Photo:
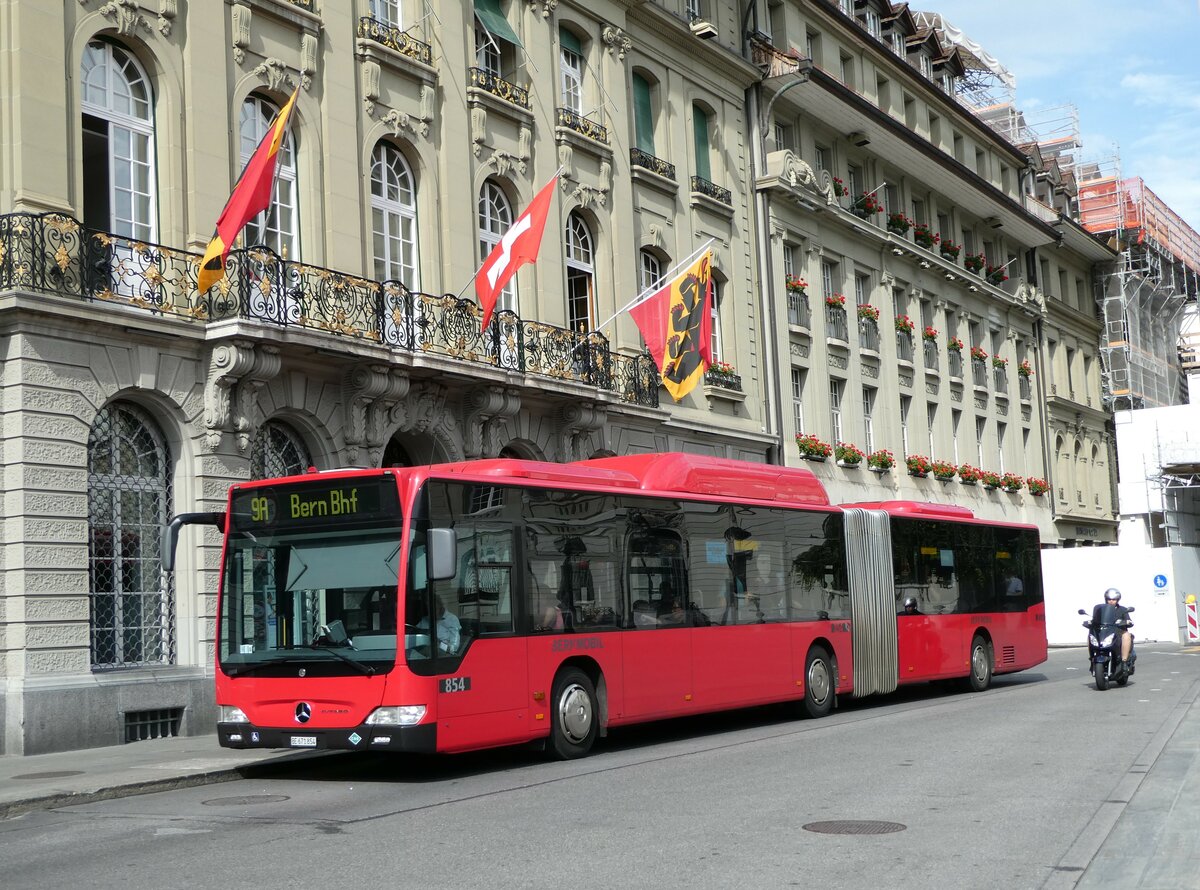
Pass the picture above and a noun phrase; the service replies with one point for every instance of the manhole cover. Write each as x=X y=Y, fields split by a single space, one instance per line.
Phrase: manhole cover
x=854 y=826
x=60 y=774
x=248 y=800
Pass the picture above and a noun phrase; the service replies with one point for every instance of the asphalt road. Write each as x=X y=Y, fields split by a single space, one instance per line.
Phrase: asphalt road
x=1016 y=787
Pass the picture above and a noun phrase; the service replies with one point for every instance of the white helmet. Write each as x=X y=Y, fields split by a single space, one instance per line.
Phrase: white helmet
x=1112 y=594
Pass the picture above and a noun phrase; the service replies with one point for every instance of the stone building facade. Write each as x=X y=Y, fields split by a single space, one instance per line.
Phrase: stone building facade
x=340 y=336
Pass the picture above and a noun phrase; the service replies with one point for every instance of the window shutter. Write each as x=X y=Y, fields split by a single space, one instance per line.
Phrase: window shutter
x=700 y=123
x=643 y=114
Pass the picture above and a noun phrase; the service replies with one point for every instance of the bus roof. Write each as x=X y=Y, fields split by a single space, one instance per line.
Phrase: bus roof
x=915 y=508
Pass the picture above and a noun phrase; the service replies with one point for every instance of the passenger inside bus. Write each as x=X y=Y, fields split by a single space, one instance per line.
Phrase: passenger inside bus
x=643 y=614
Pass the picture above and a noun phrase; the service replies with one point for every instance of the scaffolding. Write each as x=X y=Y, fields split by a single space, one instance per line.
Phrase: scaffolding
x=1142 y=298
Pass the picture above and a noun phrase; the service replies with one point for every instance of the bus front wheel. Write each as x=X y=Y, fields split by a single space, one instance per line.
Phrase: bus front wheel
x=819 y=683
x=980 y=677
x=574 y=720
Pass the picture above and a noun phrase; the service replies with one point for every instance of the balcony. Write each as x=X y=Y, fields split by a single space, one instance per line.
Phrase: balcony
x=904 y=346
x=836 y=327
x=647 y=161
x=799 y=313
x=979 y=373
x=577 y=123
x=724 y=381
x=956 y=364
x=1025 y=388
x=930 y=350
x=868 y=335
x=702 y=186
x=1000 y=380
x=54 y=254
x=394 y=39
x=499 y=87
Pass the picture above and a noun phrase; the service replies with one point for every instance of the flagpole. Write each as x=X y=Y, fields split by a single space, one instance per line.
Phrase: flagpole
x=484 y=260
x=649 y=291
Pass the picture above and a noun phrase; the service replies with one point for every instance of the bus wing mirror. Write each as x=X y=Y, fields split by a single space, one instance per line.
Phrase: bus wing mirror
x=441 y=554
x=170 y=538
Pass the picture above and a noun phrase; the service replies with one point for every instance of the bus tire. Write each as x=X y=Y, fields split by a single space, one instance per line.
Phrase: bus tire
x=980 y=677
x=820 y=686
x=574 y=716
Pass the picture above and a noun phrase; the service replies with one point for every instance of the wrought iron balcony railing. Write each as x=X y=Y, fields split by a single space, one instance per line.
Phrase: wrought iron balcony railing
x=639 y=158
x=931 y=354
x=799 y=312
x=1026 y=388
x=54 y=254
x=498 y=86
x=956 y=363
x=1000 y=379
x=393 y=38
x=725 y=381
x=306 y=5
x=868 y=334
x=979 y=373
x=712 y=190
x=835 y=323
x=904 y=346
x=586 y=126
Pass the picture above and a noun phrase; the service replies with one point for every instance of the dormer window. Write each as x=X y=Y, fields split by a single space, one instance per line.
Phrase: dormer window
x=926 y=65
x=898 y=43
x=948 y=84
x=873 y=25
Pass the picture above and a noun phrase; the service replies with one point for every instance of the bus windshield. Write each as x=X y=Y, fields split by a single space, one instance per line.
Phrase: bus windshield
x=304 y=589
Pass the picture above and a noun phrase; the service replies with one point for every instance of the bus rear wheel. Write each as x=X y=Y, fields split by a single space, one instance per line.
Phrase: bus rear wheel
x=980 y=677
x=574 y=718
x=819 y=683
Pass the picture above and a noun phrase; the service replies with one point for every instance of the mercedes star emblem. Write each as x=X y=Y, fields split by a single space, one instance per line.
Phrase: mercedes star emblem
x=303 y=712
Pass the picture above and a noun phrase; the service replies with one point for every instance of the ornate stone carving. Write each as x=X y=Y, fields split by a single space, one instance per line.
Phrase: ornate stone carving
x=589 y=196
x=524 y=140
x=125 y=16
x=548 y=6
x=654 y=235
x=838 y=361
x=308 y=59
x=369 y=74
x=167 y=10
x=505 y=162
x=369 y=394
x=240 y=17
x=616 y=41
x=566 y=160
x=485 y=410
x=237 y=369
x=575 y=422
x=275 y=73
x=419 y=125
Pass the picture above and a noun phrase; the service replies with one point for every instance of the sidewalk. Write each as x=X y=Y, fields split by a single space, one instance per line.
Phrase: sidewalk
x=41 y=781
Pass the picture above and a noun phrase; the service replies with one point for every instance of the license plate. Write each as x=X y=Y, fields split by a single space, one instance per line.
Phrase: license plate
x=304 y=741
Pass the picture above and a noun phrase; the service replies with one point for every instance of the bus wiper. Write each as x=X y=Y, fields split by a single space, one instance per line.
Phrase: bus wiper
x=357 y=665
x=258 y=665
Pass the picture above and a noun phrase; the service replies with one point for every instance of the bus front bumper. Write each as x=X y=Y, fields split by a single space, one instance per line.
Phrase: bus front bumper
x=420 y=739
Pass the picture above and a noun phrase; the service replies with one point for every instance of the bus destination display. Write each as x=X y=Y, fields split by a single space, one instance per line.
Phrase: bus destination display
x=327 y=503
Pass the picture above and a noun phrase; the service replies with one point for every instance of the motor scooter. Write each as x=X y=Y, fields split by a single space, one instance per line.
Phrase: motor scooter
x=1104 y=646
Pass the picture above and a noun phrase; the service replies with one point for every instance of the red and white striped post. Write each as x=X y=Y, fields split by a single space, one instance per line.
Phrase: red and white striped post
x=1193 y=626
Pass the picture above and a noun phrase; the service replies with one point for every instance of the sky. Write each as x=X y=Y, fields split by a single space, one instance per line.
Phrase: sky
x=1132 y=69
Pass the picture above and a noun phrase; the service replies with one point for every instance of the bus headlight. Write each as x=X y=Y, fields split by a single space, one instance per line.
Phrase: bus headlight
x=230 y=714
x=397 y=715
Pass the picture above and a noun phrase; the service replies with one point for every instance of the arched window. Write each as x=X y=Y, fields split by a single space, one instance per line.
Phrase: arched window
x=650 y=270
x=118 y=143
x=701 y=141
x=277 y=226
x=129 y=503
x=643 y=113
x=277 y=451
x=394 y=217
x=570 y=71
x=495 y=216
x=581 y=276
x=718 y=287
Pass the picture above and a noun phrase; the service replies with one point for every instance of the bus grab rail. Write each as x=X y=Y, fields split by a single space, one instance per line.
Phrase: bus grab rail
x=170 y=536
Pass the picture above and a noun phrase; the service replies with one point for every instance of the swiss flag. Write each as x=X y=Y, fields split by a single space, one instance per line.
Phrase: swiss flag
x=518 y=246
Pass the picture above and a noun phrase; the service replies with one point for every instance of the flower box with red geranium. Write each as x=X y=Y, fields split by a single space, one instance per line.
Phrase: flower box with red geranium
x=881 y=461
x=722 y=370
x=979 y=354
x=848 y=455
x=836 y=300
x=974 y=262
x=812 y=448
x=898 y=223
x=866 y=205
x=839 y=187
x=918 y=465
x=943 y=470
x=989 y=479
x=930 y=334
x=996 y=275
x=949 y=249
x=925 y=236
x=1012 y=483
x=954 y=344
x=1025 y=369
x=904 y=324
x=998 y=362
x=796 y=285
x=969 y=475
x=867 y=312
x=1037 y=487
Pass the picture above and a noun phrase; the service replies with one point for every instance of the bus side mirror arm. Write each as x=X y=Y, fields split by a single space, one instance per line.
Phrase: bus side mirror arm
x=170 y=536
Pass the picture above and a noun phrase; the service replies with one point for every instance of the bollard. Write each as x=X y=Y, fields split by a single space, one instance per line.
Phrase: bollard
x=1193 y=627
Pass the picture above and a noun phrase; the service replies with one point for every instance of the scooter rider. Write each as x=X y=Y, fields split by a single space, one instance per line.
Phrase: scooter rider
x=1112 y=597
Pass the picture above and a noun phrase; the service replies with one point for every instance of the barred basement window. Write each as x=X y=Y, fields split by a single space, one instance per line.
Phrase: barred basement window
x=158 y=724
x=129 y=502
x=277 y=451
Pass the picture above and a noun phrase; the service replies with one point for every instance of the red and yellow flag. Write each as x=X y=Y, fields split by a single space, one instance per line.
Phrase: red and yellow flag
x=676 y=323
x=251 y=196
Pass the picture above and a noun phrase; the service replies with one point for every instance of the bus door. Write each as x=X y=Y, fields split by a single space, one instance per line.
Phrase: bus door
x=479 y=661
x=657 y=652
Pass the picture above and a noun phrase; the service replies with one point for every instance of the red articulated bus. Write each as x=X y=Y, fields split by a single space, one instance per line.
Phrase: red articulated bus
x=495 y=602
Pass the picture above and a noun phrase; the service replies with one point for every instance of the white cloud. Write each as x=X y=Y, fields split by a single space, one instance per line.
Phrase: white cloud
x=1169 y=90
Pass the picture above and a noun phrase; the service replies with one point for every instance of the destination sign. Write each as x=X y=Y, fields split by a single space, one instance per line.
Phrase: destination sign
x=324 y=502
